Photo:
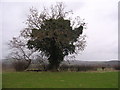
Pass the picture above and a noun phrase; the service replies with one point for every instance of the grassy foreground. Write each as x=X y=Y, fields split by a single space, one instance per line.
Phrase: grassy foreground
x=60 y=80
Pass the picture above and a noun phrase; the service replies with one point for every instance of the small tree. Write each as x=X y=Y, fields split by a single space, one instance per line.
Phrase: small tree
x=54 y=34
x=20 y=55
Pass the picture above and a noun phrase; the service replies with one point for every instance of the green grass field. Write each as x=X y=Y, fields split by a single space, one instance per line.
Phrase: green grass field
x=60 y=80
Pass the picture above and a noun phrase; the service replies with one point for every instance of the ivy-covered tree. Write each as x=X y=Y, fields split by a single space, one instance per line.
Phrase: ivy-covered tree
x=54 y=34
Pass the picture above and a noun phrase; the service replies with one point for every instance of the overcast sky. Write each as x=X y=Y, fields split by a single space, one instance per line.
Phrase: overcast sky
x=101 y=17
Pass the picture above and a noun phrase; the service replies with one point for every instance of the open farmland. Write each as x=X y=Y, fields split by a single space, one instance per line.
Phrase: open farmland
x=60 y=80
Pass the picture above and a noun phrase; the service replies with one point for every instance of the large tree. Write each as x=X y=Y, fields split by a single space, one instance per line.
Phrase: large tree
x=54 y=33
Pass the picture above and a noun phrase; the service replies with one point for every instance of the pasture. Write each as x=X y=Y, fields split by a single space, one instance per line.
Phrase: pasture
x=60 y=80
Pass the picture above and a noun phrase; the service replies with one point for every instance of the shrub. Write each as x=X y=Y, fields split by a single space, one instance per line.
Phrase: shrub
x=19 y=65
x=77 y=67
x=86 y=68
x=117 y=67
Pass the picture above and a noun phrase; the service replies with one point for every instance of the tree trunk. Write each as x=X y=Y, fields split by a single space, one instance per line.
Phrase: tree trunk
x=56 y=56
x=53 y=67
x=29 y=62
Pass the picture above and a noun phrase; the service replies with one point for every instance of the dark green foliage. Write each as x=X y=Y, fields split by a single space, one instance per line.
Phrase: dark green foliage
x=55 y=37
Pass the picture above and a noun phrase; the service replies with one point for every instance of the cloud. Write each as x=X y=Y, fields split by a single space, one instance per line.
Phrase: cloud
x=101 y=16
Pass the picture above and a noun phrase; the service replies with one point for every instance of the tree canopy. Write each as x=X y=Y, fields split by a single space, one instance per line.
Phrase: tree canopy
x=54 y=33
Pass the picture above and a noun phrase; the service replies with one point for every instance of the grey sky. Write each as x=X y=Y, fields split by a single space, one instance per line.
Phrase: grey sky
x=101 y=16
